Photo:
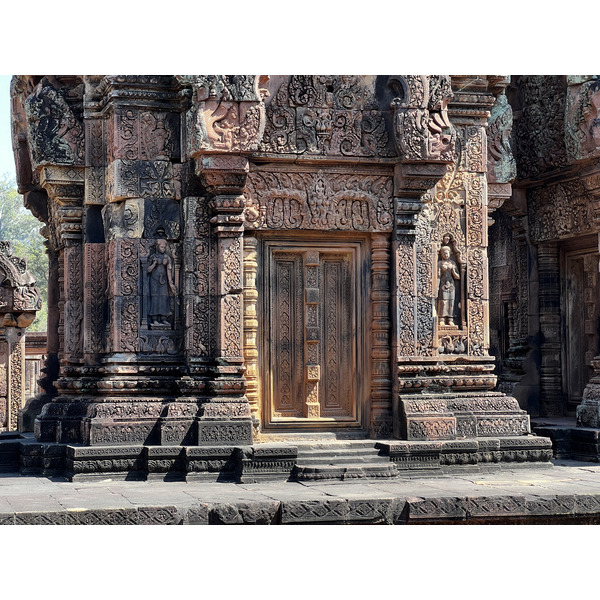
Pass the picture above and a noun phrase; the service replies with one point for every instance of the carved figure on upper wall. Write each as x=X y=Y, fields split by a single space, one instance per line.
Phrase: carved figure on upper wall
x=160 y=270
x=448 y=274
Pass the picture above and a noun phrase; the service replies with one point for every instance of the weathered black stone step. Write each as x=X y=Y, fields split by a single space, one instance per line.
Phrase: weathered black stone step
x=348 y=471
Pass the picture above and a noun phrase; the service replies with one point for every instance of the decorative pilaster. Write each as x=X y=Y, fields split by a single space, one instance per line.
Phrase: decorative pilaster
x=251 y=327
x=226 y=417
x=65 y=188
x=381 y=378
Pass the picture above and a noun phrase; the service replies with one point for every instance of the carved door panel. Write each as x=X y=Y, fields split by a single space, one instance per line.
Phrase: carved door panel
x=313 y=335
x=581 y=316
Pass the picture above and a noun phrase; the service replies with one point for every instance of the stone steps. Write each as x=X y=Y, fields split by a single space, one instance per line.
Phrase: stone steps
x=342 y=460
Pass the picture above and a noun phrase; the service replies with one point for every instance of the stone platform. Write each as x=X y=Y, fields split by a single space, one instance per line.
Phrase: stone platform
x=283 y=461
x=566 y=493
x=568 y=440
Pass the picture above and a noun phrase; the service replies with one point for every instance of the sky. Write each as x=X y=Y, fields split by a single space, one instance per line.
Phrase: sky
x=7 y=161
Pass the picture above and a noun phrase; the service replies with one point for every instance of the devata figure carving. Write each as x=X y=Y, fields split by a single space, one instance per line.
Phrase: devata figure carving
x=160 y=270
x=447 y=274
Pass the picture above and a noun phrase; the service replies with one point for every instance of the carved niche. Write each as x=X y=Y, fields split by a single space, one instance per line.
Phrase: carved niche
x=451 y=264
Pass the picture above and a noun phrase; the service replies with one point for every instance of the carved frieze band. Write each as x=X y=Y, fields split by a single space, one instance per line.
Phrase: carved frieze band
x=318 y=201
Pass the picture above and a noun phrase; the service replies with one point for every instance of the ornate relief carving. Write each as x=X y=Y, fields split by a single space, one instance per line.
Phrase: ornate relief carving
x=540 y=131
x=232 y=325
x=95 y=156
x=16 y=382
x=143 y=135
x=94 y=295
x=161 y=276
x=559 y=211
x=326 y=115
x=405 y=286
x=322 y=201
x=502 y=167
x=55 y=133
x=251 y=324
x=582 y=132
x=200 y=285
x=422 y=129
x=73 y=301
x=381 y=377
x=141 y=179
x=227 y=114
x=162 y=218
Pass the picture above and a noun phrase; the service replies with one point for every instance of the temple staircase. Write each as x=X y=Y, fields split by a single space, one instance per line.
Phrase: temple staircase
x=352 y=459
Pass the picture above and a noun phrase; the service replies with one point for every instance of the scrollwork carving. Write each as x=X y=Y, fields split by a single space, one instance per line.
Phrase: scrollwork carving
x=320 y=201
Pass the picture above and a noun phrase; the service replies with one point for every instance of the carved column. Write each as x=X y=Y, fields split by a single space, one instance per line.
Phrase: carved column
x=381 y=380
x=226 y=416
x=549 y=294
x=251 y=327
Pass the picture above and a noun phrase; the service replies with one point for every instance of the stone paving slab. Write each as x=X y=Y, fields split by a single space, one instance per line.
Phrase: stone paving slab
x=567 y=493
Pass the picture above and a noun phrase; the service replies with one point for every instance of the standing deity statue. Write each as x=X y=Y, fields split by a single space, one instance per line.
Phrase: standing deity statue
x=447 y=275
x=160 y=270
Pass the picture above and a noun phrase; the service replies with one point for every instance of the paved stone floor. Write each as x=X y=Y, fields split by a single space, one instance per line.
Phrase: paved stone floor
x=567 y=493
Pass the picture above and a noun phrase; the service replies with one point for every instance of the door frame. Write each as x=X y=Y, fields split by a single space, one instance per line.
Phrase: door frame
x=322 y=241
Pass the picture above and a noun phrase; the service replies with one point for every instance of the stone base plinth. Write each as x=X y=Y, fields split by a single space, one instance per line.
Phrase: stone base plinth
x=448 y=416
x=449 y=455
x=569 y=441
x=145 y=422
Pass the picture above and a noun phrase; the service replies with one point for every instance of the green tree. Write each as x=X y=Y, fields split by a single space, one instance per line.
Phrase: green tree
x=21 y=228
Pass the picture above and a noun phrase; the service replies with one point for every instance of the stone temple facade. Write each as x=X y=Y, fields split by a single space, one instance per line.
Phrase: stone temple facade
x=544 y=292
x=245 y=267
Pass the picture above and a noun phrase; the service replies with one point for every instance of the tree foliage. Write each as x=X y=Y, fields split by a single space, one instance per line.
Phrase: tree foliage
x=21 y=228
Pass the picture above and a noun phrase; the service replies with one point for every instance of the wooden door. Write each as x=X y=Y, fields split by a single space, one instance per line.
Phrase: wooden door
x=581 y=316
x=313 y=335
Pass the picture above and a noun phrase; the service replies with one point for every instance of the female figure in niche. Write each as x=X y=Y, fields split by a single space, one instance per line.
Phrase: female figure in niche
x=160 y=269
x=447 y=275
